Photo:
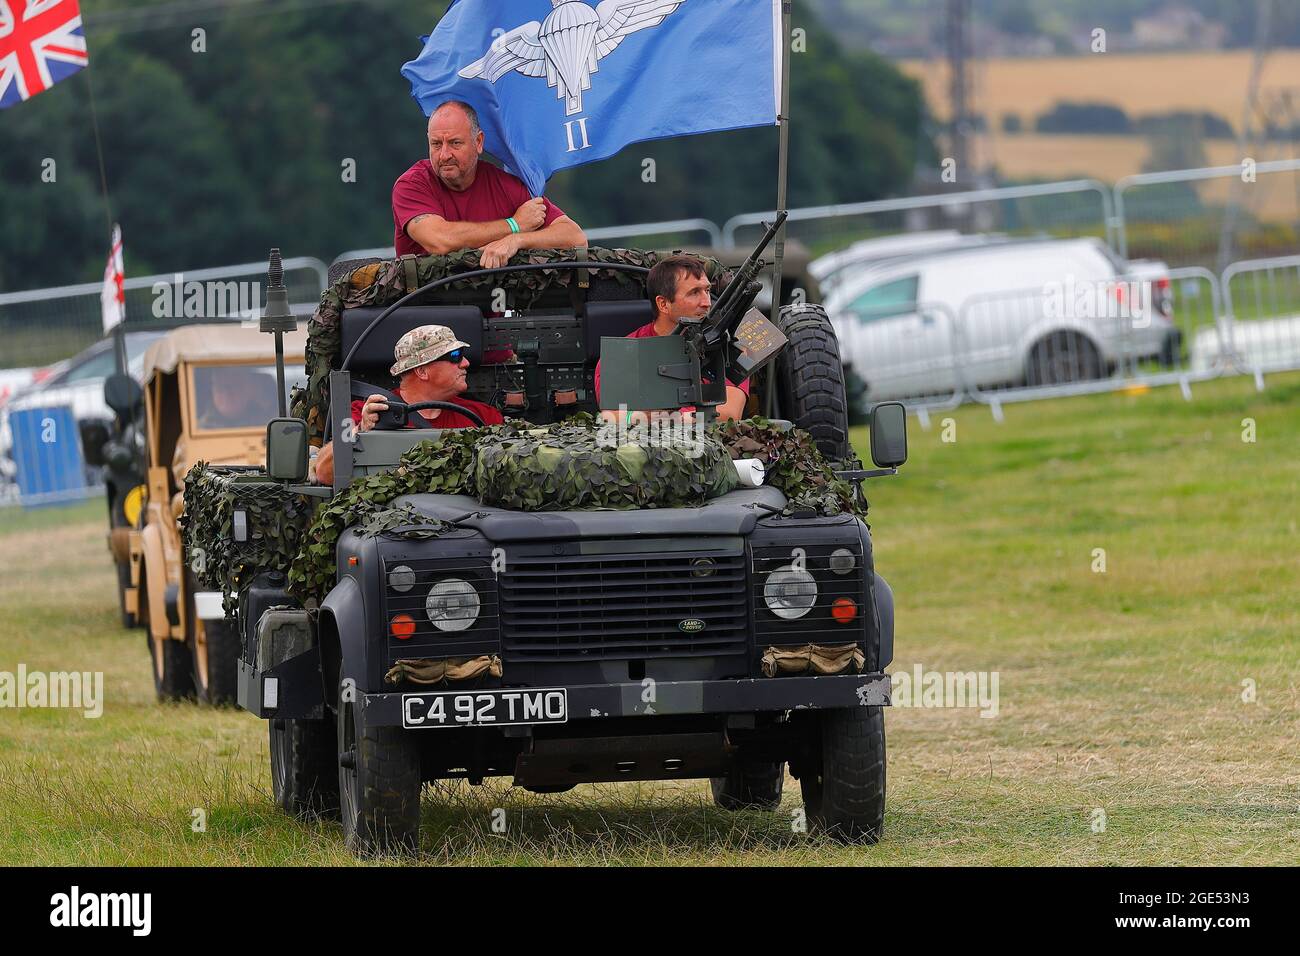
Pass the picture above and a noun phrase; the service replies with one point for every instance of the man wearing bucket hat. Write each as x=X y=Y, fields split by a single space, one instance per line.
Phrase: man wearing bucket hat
x=430 y=365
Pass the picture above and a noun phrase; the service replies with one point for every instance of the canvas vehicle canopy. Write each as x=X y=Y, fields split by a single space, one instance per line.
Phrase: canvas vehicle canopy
x=218 y=342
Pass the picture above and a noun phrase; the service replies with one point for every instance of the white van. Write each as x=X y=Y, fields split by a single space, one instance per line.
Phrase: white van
x=1037 y=312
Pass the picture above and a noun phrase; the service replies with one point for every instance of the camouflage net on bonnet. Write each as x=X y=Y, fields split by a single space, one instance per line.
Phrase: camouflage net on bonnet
x=383 y=283
x=520 y=466
x=577 y=465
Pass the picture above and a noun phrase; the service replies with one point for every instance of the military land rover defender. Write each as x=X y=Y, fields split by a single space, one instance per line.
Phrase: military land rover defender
x=451 y=637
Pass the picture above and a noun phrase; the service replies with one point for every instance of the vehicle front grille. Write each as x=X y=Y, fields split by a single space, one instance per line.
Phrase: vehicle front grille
x=621 y=606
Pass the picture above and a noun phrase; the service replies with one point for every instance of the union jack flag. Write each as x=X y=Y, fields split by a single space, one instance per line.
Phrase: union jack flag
x=41 y=42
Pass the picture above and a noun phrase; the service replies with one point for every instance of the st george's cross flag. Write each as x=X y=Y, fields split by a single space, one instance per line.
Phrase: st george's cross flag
x=41 y=43
x=112 y=299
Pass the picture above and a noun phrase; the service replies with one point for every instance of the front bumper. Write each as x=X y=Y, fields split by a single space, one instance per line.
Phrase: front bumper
x=599 y=701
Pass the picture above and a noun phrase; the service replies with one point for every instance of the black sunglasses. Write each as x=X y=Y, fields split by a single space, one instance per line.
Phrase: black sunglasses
x=453 y=356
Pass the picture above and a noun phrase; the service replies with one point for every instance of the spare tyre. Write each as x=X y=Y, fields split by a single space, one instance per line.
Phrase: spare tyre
x=810 y=379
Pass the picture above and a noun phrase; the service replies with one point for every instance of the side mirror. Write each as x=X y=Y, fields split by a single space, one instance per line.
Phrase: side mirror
x=286 y=449
x=122 y=394
x=95 y=434
x=889 y=434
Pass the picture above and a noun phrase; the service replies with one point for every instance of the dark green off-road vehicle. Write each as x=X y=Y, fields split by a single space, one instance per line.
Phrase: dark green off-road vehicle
x=726 y=640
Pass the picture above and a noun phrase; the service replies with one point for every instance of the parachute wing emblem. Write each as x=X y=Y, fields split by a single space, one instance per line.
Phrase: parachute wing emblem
x=567 y=46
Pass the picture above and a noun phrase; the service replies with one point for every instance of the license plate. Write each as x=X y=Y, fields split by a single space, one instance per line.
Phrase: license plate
x=485 y=708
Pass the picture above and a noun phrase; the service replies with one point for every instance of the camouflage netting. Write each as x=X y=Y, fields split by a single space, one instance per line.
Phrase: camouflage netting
x=519 y=466
x=383 y=283
x=575 y=465
x=277 y=521
x=794 y=466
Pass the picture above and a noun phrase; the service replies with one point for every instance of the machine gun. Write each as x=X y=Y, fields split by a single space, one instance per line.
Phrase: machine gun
x=693 y=366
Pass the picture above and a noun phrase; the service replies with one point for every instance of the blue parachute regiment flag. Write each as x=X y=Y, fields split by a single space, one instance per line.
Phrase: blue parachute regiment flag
x=559 y=83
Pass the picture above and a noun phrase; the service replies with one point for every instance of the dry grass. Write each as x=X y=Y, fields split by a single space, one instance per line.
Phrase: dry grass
x=1139 y=83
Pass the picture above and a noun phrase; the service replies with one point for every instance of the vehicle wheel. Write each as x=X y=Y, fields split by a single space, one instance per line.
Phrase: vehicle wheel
x=171 y=668
x=129 y=620
x=214 y=655
x=172 y=679
x=304 y=767
x=379 y=785
x=751 y=785
x=1063 y=357
x=810 y=379
x=844 y=784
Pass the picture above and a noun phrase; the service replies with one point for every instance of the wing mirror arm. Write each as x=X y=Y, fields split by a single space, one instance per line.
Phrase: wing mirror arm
x=858 y=475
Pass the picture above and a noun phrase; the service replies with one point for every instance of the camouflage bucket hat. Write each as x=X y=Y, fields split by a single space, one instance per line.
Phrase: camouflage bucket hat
x=421 y=346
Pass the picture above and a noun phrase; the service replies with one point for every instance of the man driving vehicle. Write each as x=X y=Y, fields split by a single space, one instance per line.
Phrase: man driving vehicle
x=679 y=287
x=451 y=201
x=430 y=364
x=234 y=396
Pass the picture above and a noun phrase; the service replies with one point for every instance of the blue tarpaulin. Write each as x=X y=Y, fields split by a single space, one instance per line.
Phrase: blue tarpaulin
x=47 y=454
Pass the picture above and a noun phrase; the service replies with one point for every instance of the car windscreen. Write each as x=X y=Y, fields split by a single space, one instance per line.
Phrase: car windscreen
x=100 y=361
x=897 y=297
x=238 y=396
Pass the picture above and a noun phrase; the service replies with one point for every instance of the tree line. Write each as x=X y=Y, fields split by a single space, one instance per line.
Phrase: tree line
x=223 y=135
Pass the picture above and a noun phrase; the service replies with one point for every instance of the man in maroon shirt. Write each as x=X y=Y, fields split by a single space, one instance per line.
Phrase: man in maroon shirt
x=431 y=364
x=451 y=201
x=679 y=287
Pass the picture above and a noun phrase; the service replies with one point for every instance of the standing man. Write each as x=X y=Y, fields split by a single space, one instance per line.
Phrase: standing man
x=679 y=288
x=451 y=201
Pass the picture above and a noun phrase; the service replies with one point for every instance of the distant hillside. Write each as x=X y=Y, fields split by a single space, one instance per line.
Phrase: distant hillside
x=1039 y=27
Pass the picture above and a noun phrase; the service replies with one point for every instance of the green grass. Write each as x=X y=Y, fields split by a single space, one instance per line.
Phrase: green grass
x=1120 y=691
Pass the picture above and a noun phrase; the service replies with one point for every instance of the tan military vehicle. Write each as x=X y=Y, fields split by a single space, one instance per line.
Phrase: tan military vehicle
x=209 y=391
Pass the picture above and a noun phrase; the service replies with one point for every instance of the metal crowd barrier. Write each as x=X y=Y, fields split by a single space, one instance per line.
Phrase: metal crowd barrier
x=1080 y=207
x=41 y=326
x=1262 y=299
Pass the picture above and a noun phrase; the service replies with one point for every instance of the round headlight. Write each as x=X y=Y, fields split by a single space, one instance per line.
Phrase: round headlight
x=790 y=594
x=843 y=561
x=452 y=605
x=401 y=579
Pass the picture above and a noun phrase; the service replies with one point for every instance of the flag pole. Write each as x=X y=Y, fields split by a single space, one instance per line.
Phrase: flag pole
x=782 y=174
x=119 y=333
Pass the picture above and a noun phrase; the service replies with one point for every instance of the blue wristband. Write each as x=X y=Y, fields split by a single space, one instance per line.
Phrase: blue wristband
x=514 y=226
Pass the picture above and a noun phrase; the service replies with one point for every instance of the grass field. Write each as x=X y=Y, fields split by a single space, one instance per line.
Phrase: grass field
x=1120 y=692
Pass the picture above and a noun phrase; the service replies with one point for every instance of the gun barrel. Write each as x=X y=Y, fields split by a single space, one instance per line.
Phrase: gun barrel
x=720 y=314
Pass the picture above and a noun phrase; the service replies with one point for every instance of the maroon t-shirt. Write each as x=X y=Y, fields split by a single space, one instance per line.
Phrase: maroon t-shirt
x=495 y=195
x=647 y=332
x=448 y=419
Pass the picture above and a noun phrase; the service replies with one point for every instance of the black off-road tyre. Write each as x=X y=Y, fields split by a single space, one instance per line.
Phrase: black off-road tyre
x=214 y=660
x=844 y=784
x=304 y=767
x=169 y=660
x=751 y=785
x=129 y=620
x=1061 y=358
x=379 y=786
x=175 y=682
x=809 y=379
